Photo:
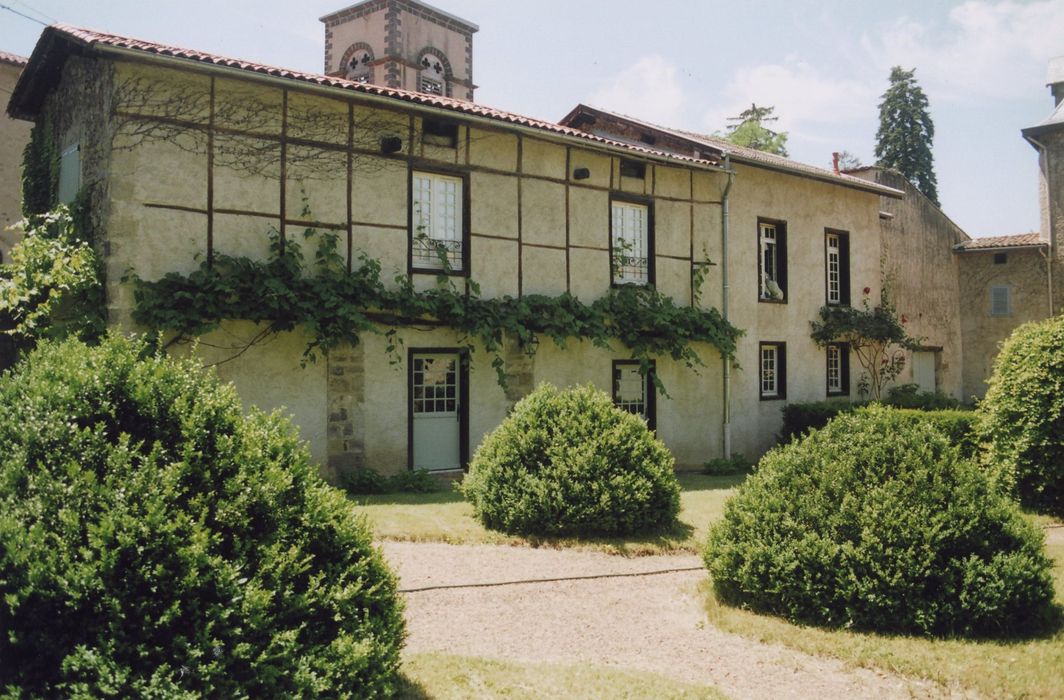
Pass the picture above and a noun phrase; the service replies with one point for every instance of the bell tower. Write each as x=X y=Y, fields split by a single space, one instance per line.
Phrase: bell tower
x=404 y=44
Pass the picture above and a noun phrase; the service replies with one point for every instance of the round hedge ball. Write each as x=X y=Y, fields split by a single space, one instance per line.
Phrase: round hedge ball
x=571 y=463
x=876 y=523
x=155 y=542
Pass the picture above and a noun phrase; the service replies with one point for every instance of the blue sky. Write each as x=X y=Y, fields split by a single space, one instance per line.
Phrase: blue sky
x=693 y=63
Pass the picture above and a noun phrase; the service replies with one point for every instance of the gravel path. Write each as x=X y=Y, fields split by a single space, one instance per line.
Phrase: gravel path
x=653 y=623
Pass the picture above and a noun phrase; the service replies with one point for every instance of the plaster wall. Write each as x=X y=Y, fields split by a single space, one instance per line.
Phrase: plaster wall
x=14 y=135
x=533 y=228
x=1024 y=273
x=807 y=207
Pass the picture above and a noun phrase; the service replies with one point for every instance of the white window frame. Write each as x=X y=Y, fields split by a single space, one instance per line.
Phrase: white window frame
x=437 y=222
x=769 y=252
x=630 y=245
x=834 y=369
x=834 y=269
x=770 y=366
x=996 y=302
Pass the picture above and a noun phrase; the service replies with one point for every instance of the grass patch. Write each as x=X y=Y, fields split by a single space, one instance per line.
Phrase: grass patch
x=444 y=517
x=443 y=676
x=999 y=669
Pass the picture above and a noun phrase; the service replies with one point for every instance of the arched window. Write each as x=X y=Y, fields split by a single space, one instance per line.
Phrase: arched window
x=432 y=78
x=360 y=66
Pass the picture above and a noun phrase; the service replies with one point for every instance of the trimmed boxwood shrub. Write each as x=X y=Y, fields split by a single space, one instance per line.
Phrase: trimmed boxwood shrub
x=910 y=396
x=800 y=418
x=571 y=463
x=876 y=523
x=155 y=542
x=957 y=425
x=1022 y=415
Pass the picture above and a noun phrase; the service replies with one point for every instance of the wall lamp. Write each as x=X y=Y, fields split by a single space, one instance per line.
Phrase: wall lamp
x=581 y=174
x=391 y=144
x=531 y=345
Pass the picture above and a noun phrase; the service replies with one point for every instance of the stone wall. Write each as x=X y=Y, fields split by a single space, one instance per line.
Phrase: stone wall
x=919 y=265
x=1023 y=272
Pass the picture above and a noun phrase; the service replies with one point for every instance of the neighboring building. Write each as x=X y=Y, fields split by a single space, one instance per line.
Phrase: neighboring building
x=1048 y=139
x=1003 y=284
x=520 y=206
x=14 y=134
x=921 y=271
x=404 y=44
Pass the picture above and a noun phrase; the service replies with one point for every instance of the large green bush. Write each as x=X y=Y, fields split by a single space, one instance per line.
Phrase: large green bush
x=800 y=418
x=155 y=542
x=875 y=522
x=571 y=463
x=957 y=425
x=1022 y=415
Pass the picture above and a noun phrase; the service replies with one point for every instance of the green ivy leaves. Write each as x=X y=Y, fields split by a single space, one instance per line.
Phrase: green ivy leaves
x=336 y=307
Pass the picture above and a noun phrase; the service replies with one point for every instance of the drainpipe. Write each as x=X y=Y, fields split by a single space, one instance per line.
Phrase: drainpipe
x=726 y=362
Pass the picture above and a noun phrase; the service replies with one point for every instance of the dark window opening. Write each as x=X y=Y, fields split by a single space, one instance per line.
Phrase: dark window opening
x=437 y=132
x=1001 y=258
x=633 y=168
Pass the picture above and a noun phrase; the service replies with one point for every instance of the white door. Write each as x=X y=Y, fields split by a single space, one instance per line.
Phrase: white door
x=436 y=410
x=924 y=370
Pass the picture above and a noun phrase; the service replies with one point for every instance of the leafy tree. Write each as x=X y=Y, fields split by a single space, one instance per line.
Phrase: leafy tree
x=52 y=288
x=750 y=131
x=876 y=336
x=906 y=132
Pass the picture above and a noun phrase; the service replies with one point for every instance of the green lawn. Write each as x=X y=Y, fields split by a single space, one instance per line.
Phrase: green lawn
x=443 y=676
x=444 y=517
x=1011 y=669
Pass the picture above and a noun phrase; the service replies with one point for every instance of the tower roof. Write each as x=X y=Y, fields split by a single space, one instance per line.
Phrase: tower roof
x=367 y=6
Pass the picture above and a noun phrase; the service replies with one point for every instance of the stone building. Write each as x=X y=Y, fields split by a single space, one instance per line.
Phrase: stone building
x=1003 y=283
x=923 y=274
x=404 y=44
x=518 y=205
x=13 y=137
x=387 y=152
x=1009 y=280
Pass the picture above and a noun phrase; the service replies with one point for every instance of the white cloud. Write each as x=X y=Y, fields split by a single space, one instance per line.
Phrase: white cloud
x=986 y=49
x=648 y=90
x=802 y=95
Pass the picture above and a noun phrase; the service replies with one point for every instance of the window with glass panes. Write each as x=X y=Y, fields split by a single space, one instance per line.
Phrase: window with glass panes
x=435 y=385
x=834 y=269
x=437 y=236
x=773 y=370
x=630 y=244
x=633 y=391
x=772 y=260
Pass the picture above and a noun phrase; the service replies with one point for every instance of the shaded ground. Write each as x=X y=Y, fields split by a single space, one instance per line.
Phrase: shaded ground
x=653 y=623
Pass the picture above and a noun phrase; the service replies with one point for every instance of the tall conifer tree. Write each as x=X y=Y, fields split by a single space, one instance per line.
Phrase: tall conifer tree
x=749 y=130
x=906 y=132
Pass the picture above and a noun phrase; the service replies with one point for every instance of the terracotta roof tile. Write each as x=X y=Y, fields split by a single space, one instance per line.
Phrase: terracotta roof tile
x=12 y=58
x=96 y=38
x=749 y=155
x=988 y=242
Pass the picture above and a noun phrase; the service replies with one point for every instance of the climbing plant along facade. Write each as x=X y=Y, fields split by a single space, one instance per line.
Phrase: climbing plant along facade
x=360 y=255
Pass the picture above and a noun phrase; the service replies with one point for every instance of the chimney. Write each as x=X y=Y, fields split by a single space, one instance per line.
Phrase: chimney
x=1055 y=79
x=835 y=162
